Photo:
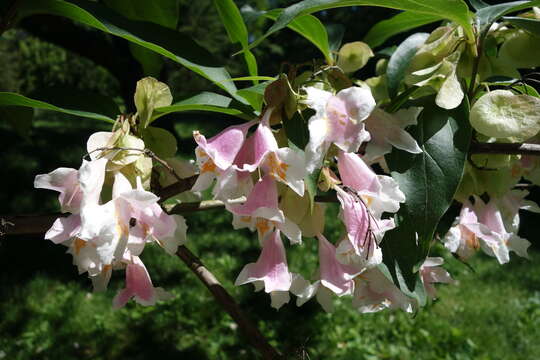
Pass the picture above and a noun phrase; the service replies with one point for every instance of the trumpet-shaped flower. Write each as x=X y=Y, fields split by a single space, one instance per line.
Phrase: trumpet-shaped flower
x=375 y=292
x=364 y=231
x=261 y=211
x=380 y=193
x=387 y=130
x=261 y=150
x=139 y=287
x=270 y=270
x=481 y=226
x=334 y=278
x=217 y=154
x=66 y=182
x=432 y=272
x=339 y=120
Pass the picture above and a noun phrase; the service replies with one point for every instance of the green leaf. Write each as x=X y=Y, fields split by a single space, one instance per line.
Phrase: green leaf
x=311 y=186
x=309 y=27
x=429 y=181
x=530 y=25
x=237 y=31
x=160 y=141
x=297 y=127
x=478 y=4
x=255 y=94
x=19 y=118
x=398 y=24
x=455 y=10
x=205 y=101
x=400 y=60
x=161 y=12
x=12 y=99
x=71 y=98
x=489 y=14
x=250 y=78
x=167 y=42
x=335 y=36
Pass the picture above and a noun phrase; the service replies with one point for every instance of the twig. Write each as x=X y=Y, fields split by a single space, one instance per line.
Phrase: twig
x=500 y=148
x=250 y=331
x=8 y=18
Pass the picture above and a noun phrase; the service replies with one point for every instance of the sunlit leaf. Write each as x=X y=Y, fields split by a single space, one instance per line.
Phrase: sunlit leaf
x=172 y=44
x=398 y=24
x=12 y=99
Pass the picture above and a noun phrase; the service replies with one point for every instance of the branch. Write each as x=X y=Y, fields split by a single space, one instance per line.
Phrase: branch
x=9 y=16
x=250 y=331
x=502 y=148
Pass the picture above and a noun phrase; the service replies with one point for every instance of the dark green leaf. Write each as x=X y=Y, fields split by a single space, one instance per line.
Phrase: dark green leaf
x=489 y=14
x=311 y=187
x=254 y=95
x=530 y=25
x=478 y=4
x=236 y=29
x=19 y=118
x=71 y=98
x=429 y=181
x=161 y=12
x=309 y=27
x=400 y=23
x=455 y=10
x=160 y=141
x=400 y=60
x=335 y=36
x=12 y=99
x=205 y=101
x=297 y=127
x=162 y=40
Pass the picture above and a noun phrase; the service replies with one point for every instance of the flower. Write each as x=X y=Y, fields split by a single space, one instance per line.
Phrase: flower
x=375 y=292
x=431 y=272
x=333 y=277
x=338 y=120
x=387 y=130
x=482 y=226
x=270 y=271
x=261 y=211
x=139 y=286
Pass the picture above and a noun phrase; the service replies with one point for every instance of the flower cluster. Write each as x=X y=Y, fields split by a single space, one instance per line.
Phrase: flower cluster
x=250 y=168
x=112 y=217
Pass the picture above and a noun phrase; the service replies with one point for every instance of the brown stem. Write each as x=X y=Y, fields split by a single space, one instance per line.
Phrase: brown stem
x=7 y=19
x=501 y=148
x=250 y=331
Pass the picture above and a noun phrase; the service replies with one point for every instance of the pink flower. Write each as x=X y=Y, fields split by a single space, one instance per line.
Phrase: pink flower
x=270 y=270
x=261 y=211
x=387 y=130
x=66 y=182
x=139 y=287
x=380 y=193
x=375 y=292
x=432 y=272
x=334 y=278
x=338 y=120
x=482 y=226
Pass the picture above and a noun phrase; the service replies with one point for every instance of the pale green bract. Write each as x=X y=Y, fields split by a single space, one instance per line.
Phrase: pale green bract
x=502 y=114
x=354 y=56
x=149 y=95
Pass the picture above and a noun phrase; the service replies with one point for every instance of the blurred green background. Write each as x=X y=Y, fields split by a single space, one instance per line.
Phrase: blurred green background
x=47 y=311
